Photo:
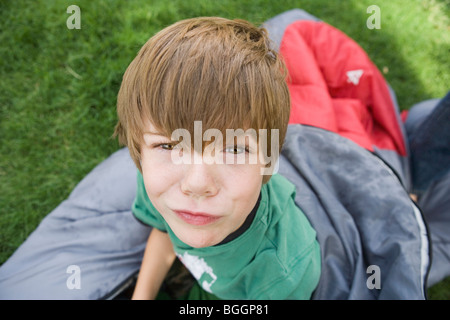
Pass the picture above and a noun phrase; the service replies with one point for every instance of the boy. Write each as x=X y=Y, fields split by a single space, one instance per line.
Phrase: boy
x=215 y=202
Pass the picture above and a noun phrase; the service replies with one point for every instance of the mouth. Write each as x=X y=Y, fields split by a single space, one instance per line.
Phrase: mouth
x=196 y=218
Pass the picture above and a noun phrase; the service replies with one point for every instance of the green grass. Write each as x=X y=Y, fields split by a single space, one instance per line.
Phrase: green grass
x=58 y=86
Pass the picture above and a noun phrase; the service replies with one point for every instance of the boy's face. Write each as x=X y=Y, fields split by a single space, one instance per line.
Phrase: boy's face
x=202 y=202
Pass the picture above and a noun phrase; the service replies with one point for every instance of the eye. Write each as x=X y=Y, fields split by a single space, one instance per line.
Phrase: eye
x=236 y=149
x=165 y=146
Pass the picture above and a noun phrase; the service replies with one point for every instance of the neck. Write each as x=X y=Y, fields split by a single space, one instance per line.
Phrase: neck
x=247 y=223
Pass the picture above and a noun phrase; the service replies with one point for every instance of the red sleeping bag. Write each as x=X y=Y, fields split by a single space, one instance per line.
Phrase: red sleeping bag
x=335 y=86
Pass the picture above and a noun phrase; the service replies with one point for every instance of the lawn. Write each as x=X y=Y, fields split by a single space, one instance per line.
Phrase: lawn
x=58 y=86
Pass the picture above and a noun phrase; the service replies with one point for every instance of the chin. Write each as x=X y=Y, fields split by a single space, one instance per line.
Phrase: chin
x=199 y=241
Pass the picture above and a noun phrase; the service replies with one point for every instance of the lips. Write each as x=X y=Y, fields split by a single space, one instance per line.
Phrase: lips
x=196 y=218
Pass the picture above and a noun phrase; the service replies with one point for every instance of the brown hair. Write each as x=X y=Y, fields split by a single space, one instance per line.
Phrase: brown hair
x=218 y=71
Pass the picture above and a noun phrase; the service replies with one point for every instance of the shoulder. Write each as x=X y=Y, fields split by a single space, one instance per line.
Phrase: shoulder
x=290 y=252
x=277 y=194
x=280 y=186
x=293 y=278
x=285 y=219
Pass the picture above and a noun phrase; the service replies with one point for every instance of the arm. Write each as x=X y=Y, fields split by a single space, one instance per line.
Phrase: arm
x=158 y=258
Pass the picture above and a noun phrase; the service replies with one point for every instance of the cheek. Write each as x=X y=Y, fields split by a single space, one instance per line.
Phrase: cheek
x=159 y=176
x=244 y=182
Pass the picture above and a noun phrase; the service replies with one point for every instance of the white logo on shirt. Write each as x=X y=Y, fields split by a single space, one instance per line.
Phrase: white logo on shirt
x=354 y=76
x=198 y=267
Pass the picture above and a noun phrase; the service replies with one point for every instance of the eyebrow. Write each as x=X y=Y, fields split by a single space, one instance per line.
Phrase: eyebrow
x=154 y=133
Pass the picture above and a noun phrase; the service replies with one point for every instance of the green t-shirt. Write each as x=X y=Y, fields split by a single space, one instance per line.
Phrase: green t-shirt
x=277 y=257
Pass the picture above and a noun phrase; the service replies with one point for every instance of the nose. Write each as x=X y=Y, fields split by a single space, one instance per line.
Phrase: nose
x=199 y=180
